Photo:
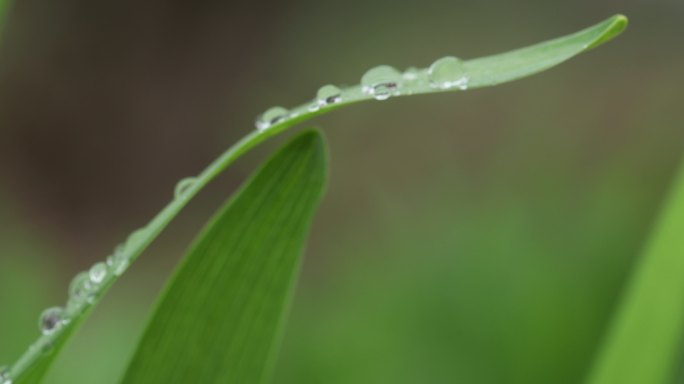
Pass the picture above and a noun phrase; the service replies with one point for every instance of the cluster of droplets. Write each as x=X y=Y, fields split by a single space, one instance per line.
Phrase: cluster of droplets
x=85 y=286
x=326 y=95
x=5 y=376
x=381 y=83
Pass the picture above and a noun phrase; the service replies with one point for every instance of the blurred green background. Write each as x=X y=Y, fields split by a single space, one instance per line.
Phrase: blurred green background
x=477 y=237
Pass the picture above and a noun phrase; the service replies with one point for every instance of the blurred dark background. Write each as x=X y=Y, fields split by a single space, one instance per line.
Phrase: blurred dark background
x=477 y=237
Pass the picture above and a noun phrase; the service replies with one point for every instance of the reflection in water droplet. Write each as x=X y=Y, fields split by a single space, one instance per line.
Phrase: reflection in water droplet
x=98 y=272
x=51 y=319
x=448 y=72
x=382 y=82
x=272 y=116
x=328 y=94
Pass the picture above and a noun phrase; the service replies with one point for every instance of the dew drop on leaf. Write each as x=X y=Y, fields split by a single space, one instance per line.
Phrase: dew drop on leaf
x=381 y=82
x=183 y=186
x=97 y=273
x=270 y=117
x=328 y=94
x=448 y=72
x=79 y=286
x=51 y=319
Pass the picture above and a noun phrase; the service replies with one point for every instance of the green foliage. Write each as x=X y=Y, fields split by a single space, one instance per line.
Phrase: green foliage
x=482 y=72
x=219 y=319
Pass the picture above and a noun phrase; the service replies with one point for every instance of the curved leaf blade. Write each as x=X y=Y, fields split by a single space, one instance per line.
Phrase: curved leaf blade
x=219 y=319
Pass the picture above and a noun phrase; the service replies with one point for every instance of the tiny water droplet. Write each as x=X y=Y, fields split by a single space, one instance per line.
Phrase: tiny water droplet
x=381 y=82
x=98 y=272
x=448 y=72
x=51 y=319
x=272 y=116
x=328 y=94
x=183 y=186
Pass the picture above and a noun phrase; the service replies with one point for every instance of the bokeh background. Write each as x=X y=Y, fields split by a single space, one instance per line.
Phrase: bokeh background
x=476 y=237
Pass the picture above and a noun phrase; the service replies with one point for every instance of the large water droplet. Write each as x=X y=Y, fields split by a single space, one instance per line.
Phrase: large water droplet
x=448 y=72
x=183 y=186
x=381 y=82
x=328 y=94
x=5 y=375
x=97 y=273
x=270 y=117
x=51 y=319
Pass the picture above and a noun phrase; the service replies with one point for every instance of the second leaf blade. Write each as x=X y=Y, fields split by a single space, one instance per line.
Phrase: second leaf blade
x=220 y=316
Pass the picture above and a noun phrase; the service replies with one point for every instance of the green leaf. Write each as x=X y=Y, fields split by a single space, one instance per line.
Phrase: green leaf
x=220 y=317
x=482 y=72
x=644 y=341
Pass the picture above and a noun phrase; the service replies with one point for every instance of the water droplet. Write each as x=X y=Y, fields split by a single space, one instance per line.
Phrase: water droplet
x=5 y=375
x=381 y=82
x=118 y=263
x=183 y=186
x=272 y=116
x=328 y=94
x=79 y=291
x=448 y=72
x=51 y=319
x=79 y=286
x=98 y=272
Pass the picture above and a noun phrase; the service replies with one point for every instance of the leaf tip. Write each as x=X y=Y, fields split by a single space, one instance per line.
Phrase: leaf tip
x=614 y=26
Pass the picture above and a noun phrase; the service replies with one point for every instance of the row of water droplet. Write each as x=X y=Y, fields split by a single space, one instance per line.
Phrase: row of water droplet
x=84 y=287
x=83 y=290
x=381 y=83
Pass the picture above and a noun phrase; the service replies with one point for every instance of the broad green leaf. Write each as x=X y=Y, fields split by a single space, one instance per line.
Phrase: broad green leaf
x=220 y=317
x=475 y=73
x=645 y=338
